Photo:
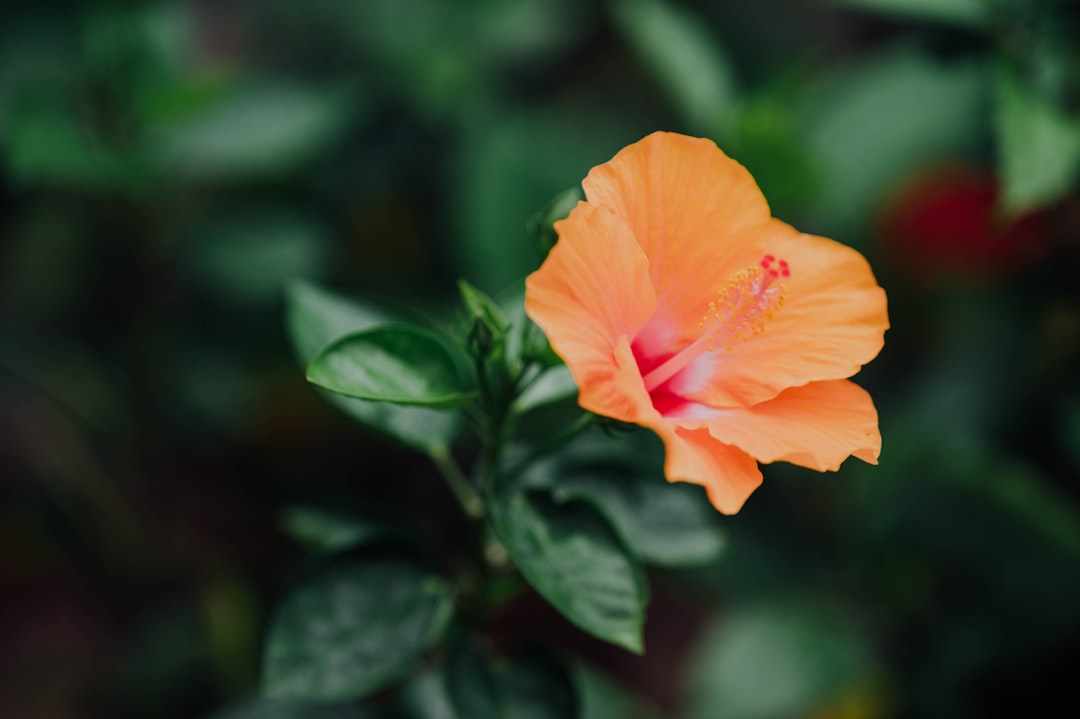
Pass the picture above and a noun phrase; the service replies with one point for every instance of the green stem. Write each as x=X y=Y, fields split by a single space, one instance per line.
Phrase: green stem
x=553 y=443
x=488 y=400
x=495 y=395
x=471 y=501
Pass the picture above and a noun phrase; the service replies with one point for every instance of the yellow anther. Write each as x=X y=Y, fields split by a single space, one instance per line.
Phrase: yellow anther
x=740 y=312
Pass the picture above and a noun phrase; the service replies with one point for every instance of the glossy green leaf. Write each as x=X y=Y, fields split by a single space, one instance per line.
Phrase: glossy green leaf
x=575 y=561
x=353 y=628
x=315 y=317
x=670 y=525
x=530 y=684
x=688 y=61
x=1038 y=143
x=968 y=13
x=402 y=364
x=663 y=523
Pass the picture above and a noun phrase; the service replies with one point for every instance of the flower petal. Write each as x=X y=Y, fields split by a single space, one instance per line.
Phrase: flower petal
x=818 y=426
x=592 y=290
x=620 y=394
x=728 y=474
x=833 y=321
x=696 y=213
x=692 y=454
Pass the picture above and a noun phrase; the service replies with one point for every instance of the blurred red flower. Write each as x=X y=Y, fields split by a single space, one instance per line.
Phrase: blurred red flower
x=946 y=221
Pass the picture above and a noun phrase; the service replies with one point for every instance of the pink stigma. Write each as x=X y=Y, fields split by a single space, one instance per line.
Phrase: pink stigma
x=781 y=268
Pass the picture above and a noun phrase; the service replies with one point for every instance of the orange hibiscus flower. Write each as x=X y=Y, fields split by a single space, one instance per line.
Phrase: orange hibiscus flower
x=681 y=305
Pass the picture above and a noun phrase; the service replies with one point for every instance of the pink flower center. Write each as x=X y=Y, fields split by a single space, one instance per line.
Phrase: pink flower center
x=739 y=312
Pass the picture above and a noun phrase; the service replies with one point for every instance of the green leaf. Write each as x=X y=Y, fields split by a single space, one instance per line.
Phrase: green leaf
x=1010 y=503
x=402 y=364
x=767 y=139
x=471 y=684
x=874 y=124
x=424 y=696
x=527 y=32
x=535 y=685
x=575 y=561
x=246 y=257
x=47 y=142
x=555 y=384
x=251 y=131
x=329 y=530
x=776 y=662
x=670 y=525
x=479 y=305
x=663 y=523
x=531 y=684
x=279 y=709
x=486 y=326
x=315 y=317
x=967 y=13
x=602 y=698
x=525 y=342
x=353 y=628
x=1039 y=146
x=541 y=225
x=689 y=62
x=510 y=165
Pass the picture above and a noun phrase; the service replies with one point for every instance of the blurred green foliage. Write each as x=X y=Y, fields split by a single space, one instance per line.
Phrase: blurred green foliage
x=176 y=174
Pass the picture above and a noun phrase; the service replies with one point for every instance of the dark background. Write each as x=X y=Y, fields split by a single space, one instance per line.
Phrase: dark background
x=168 y=166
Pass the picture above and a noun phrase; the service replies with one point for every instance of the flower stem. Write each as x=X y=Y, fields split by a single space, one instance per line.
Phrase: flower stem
x=553 y=443
x=467 y=496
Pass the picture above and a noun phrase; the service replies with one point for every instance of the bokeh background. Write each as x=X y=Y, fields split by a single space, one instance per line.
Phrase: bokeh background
x=168 y=166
